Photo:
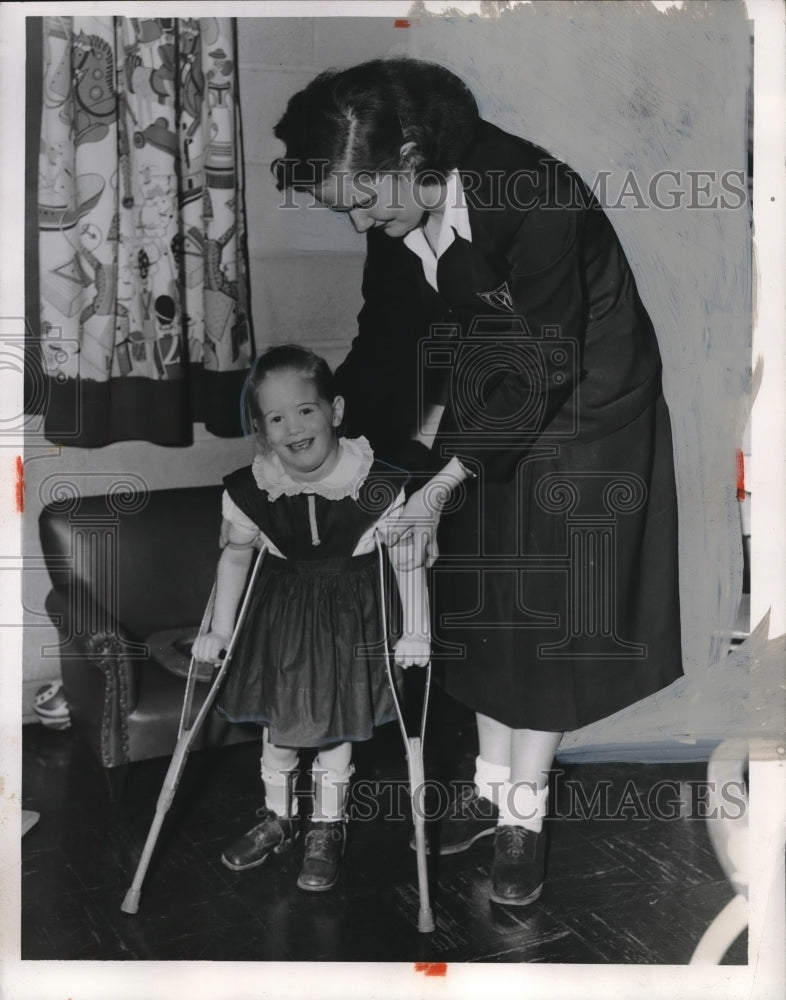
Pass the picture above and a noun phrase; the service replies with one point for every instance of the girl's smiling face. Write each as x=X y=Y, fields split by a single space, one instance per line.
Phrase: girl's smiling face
x=298 y=425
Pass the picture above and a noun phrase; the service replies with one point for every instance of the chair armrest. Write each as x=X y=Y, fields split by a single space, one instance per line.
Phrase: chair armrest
x=101 y=706
x=109 y=653
x=114 y=655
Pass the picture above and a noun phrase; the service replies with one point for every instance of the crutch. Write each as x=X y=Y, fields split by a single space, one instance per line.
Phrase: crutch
x=186 y=734
x=413 y=746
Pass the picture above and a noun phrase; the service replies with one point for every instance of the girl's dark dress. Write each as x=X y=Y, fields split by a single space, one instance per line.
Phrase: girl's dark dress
x=556 y=593
x=309 y=660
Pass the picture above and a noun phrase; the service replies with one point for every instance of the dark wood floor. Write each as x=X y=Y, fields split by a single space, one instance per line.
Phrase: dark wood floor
x=629 y=888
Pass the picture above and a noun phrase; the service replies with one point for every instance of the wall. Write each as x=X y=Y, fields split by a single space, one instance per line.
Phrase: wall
x=306 y=265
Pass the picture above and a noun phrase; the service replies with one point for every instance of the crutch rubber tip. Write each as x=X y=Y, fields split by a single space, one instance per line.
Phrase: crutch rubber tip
x=131 y=901
x=426 y=922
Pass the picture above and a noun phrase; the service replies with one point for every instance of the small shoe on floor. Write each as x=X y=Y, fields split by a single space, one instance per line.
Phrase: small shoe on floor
x=29 y=820
x=470 y=817
x=274 y=835
x=519 y=866
x=325 y=843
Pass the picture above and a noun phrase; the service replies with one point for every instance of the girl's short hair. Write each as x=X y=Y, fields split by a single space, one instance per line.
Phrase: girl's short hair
x=359 y=118
x=282 y=357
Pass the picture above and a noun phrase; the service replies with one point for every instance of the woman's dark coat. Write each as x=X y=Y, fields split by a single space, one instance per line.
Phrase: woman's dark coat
x=556 y=594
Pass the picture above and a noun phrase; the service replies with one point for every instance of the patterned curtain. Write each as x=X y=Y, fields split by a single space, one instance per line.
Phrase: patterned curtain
x=144 y=323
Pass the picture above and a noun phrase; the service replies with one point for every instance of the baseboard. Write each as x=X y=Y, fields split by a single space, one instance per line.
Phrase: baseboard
x=658 y=751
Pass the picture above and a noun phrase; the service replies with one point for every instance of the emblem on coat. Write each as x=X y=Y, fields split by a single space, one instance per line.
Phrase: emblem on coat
x=500 y=298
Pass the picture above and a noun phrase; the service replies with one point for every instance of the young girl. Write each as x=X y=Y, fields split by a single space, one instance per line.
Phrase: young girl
x=308 y=663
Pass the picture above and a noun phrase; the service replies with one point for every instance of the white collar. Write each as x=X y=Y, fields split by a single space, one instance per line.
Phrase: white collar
x=344 y=480
x=442 y=229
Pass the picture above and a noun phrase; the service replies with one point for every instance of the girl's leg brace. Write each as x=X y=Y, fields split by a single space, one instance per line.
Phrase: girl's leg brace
x=332 y=770
x=279 y=771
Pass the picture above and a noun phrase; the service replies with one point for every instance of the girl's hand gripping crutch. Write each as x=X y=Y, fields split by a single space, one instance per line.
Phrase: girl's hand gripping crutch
x=414 y=752
x=186 y=735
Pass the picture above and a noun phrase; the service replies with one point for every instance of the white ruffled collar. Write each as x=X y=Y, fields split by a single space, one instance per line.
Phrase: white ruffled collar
x=345 y=479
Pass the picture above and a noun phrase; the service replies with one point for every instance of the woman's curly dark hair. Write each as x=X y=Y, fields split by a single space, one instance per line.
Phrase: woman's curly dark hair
x=358 y=119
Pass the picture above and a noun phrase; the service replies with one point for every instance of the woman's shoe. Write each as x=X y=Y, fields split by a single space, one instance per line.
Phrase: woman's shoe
x=325 y=843
x=470 y=817
x=274 y=835
x=519 y=865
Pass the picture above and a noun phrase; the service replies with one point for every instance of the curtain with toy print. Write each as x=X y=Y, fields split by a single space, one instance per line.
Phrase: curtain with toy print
x=145 y=323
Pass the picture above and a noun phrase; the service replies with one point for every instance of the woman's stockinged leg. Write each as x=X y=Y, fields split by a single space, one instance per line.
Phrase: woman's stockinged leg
x=532 y=755
x=525 y=802
x=492 y=765
x=495 y=741
x=512 y=770
x=520 y=841
x=529 y=753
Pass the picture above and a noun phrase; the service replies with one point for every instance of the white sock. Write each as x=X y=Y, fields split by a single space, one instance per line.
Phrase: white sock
x=279 y=796
x=489 y=779
x=523 y=804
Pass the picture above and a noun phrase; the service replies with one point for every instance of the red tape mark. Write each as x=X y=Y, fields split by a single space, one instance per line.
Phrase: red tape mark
x=740 y=475
x=401 y=22
x=20 y=485
x=432 y=968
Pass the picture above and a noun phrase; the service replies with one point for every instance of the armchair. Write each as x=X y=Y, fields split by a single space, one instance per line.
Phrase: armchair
x=131 y=574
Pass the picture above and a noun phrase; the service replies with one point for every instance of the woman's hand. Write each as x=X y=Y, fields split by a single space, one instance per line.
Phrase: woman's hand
x=208 y=648
x=413 y=651
x=412 y=538
x=416 y=547
x=414 y=534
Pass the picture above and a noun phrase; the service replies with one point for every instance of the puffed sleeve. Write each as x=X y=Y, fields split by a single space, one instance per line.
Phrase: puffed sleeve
x=232 y=513
x=235 y=516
